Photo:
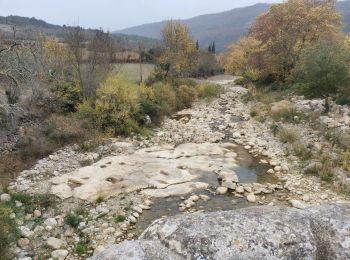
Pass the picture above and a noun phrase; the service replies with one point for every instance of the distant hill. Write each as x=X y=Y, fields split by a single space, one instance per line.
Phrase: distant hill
x=223 y=28
x=29 y=27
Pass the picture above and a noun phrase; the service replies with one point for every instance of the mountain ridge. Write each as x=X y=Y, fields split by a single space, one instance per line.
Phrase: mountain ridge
x=224 y=27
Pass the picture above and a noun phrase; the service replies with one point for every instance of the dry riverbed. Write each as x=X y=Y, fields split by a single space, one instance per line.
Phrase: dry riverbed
x=211 y=157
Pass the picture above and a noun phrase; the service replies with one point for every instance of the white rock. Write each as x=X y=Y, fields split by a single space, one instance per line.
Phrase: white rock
x=5 y=197
x=37 y=213
x=240 y=189
x=221 y=190
x=60 y=254
x=50 y=222
x=270 y=171
x=251 y=198
x=54 y=243
x=137 y=209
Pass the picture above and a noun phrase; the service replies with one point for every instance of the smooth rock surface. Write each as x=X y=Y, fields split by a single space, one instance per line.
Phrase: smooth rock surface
x=252 y=233
x=159 y=167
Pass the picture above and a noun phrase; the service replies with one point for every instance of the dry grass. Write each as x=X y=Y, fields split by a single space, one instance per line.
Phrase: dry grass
x=288 y=135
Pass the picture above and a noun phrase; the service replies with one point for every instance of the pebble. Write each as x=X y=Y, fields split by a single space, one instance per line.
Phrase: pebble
x=132 y=219
x=54 y=243
x=251 y=198
x=23 y=243
x=37 y=213
x=60 y=254
x=137 y=209
x=221 y=190
x=270 y=171
x=240 y=189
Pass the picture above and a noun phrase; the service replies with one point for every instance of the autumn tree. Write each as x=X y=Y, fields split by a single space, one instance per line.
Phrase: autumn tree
x=179 y=55
x=288 y=28
x=241 y=58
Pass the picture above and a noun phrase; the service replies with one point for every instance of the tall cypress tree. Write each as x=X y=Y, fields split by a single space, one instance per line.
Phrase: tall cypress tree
x=209 y=48
x=197 y=45
x=213 y=49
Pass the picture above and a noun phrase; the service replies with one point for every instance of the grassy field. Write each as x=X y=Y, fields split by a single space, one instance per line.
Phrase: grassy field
x=132 y=71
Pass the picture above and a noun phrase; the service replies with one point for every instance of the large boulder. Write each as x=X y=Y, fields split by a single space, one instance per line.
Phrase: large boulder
x=264 y=232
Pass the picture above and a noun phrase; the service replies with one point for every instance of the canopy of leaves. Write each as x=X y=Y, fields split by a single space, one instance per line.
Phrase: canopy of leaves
x=323 y=69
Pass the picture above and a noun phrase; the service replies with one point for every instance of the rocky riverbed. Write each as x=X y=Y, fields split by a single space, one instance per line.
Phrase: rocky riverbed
x=211 y=157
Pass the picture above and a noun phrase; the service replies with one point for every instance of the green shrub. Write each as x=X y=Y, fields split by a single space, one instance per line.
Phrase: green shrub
x=32 y=202
x=287 y=114
x=326 y=173
x=339 y=138
x=120 y=218
x=82 y=247
x=70 y=96
x=115 y=106
x=185 y=96
x=9 y=232
x=209 y=91
x=275 y=129
x=72 y=219
x=288 y=135
x=254 y=113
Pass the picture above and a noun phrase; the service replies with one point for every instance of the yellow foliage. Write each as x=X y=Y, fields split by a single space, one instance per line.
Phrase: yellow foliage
x=56 y=54
x=180 y=51
x=288 y=28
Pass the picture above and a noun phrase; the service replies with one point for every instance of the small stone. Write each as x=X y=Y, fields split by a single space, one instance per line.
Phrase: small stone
x=54 y=243
x=136 y=215
x=240 y=189
x=251 y=198
x=144 y=207
x=194 y=198
x=221 y=190
x=324 y=196
x=23 y=243
x=5 y=197
x=132 y=219
x=137 y=209
x=69 y=232
x=297 y=204
x=278 y=168
x=148 y=202
x=37 y=213
x=270 y=171
x=50 y=222
x=306 y=198
x=60 y=254
x=204 y=197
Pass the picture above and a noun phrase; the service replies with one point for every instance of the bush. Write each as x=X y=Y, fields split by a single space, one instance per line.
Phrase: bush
x=209 y=91
x=288 y=135
x=302 y=151
x=165 y=97
x=72 y=220
x=339 y=138
x=8 y=231
x=120 y=218
x=69 y=93
x=346 y=161
x=254 y=113
x=185 y=96
x=287 y=114
x=115 y=107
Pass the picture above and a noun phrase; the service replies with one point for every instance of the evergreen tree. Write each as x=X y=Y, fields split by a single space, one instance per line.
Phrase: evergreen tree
x=197 y=45
x=213 y=49
x=209 y=48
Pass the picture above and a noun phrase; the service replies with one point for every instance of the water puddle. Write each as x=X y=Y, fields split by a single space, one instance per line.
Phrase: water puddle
x=249 y=170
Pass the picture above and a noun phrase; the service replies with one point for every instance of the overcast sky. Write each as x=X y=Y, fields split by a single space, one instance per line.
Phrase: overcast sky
x=116 y=14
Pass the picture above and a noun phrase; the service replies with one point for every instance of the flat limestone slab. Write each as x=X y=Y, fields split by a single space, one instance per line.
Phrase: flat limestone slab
x=156 y=168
